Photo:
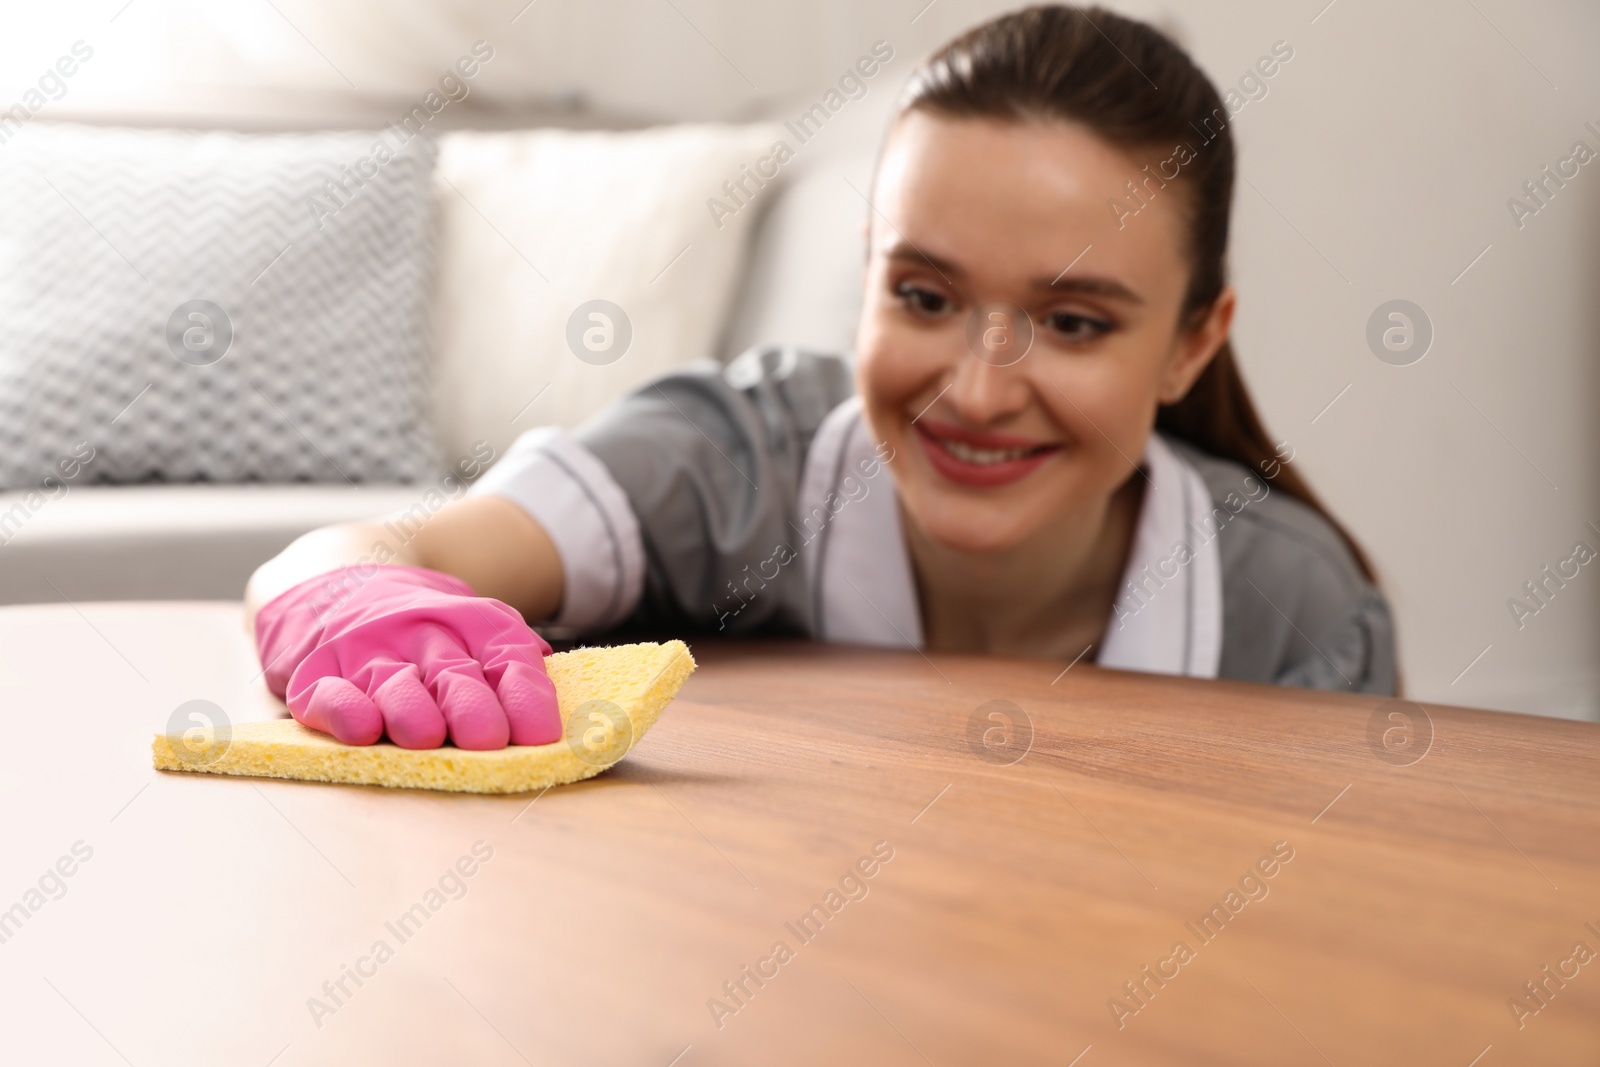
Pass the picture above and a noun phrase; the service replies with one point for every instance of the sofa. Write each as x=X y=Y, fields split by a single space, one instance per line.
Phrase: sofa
x=786 y=267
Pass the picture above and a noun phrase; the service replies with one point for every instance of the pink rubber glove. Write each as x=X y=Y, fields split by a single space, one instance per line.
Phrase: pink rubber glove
x=361 y=652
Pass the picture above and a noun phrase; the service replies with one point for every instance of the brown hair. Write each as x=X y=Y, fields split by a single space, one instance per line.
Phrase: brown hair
x=1137 y=89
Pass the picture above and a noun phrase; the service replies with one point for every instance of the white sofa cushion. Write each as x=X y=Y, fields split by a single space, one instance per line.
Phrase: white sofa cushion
x=802 y=285
x=172 y=542
x=535 y=223
x=214 y=306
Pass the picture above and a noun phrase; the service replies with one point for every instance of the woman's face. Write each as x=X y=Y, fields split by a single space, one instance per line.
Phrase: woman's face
x=979 y=229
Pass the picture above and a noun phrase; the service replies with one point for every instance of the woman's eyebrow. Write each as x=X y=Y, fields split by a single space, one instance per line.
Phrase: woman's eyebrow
x=1090 y=284
x=907 y=252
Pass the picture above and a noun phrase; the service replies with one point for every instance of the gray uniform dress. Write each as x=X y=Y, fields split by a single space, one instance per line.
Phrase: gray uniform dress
x=750 y=499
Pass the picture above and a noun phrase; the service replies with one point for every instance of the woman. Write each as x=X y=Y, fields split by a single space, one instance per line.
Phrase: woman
x=1042 y=370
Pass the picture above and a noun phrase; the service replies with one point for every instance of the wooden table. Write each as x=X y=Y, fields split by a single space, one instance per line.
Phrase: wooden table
x=1028 y=881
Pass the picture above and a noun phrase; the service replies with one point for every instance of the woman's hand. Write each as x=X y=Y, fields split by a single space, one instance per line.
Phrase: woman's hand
x=367 y=651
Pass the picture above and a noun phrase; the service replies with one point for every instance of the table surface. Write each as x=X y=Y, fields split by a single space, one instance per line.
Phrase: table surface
x=1037 y=863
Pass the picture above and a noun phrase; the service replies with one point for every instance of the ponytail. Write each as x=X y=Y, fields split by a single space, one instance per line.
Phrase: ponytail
x=1217 y=416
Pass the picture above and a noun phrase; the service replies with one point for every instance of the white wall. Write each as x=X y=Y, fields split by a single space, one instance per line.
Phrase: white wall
x=1378 y=167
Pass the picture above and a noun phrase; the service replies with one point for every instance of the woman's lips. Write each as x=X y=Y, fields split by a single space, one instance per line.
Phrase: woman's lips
x=980 y=458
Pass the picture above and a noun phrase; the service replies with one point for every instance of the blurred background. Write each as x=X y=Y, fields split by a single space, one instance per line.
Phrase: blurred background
x=1379 y=164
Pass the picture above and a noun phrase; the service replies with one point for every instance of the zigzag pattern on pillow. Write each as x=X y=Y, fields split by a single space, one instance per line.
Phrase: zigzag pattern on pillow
x=106 y=233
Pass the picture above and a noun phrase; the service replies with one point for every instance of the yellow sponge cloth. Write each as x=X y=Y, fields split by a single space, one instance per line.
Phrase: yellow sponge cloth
x=609 y=697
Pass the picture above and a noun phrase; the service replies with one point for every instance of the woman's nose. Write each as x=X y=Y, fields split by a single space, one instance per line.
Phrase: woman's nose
x=989 y=383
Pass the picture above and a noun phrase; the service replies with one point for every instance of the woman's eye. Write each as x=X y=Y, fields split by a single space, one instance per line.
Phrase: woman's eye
x=1076 y=327
x=920 y=301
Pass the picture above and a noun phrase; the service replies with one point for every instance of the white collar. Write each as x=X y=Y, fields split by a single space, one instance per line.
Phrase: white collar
x=1168 y=615
x=1167 y=618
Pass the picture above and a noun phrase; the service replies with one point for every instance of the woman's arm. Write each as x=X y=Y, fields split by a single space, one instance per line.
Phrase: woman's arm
x=487 y=541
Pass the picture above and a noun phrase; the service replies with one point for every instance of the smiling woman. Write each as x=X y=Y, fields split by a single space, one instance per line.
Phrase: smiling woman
x=1075 y=483
x=1011 y=142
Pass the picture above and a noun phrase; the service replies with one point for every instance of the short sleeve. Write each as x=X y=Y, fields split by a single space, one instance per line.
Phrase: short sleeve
x=1296 y=608
x=710 y=460
x=668 y=508
x=586 y=514
x=1356 y=655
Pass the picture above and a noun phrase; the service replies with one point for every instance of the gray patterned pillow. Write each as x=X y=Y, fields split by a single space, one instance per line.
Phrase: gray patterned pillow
x=214 y=306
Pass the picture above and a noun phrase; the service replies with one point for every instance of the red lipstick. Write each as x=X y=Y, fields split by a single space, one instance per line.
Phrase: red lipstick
x=950 y=449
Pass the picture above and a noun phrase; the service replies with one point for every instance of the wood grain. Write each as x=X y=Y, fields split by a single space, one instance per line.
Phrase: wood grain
x=1019 y=899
